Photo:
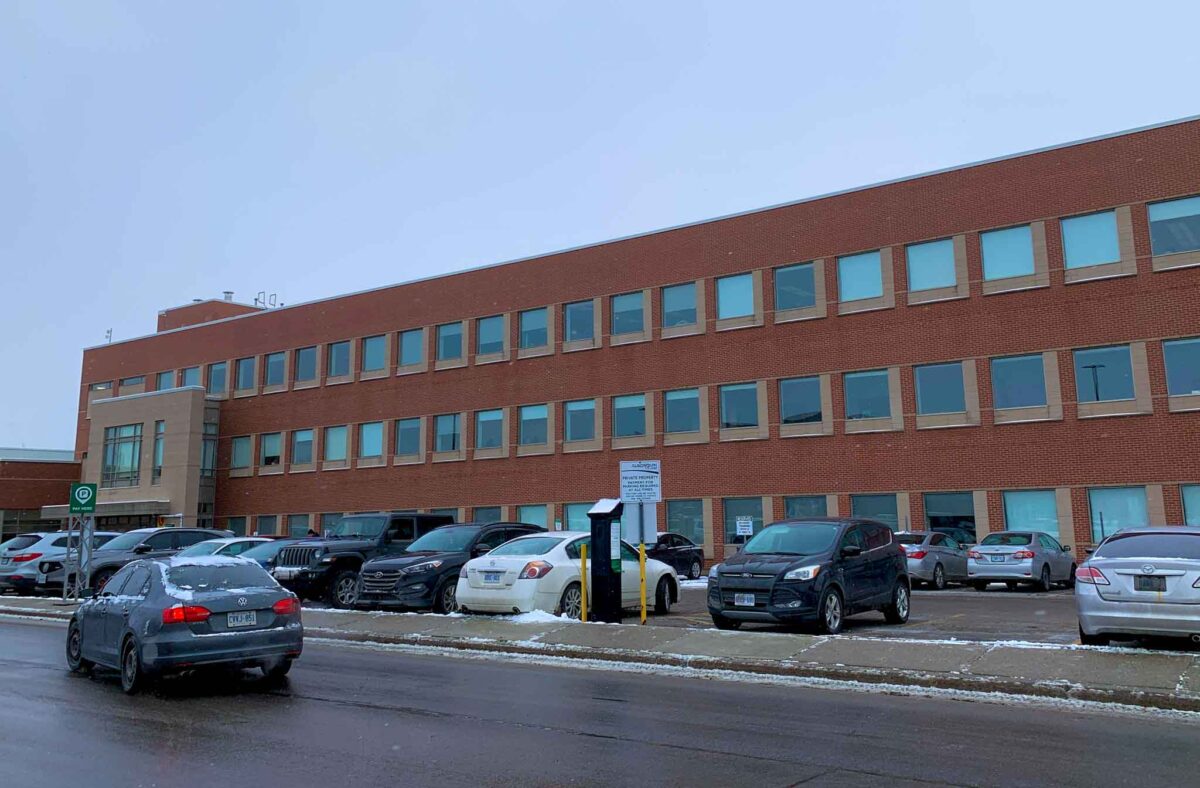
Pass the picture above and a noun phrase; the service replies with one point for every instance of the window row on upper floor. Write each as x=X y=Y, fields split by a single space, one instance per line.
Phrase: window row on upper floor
x=1094 y=246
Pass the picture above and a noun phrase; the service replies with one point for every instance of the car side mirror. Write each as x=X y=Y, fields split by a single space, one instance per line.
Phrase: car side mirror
x=1089 y=550
x=1066 y=548
x=142 y=549
x=480 y=549
x=851 y=550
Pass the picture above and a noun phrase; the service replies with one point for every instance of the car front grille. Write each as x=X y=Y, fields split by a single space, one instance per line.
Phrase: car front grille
x=379 y=582
x=296 y=556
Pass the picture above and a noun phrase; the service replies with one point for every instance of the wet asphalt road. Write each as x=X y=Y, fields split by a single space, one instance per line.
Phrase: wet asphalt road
x=350 y=717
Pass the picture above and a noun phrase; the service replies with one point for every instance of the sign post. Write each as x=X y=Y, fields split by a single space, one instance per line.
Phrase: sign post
x=82 y=502
x=641 y=483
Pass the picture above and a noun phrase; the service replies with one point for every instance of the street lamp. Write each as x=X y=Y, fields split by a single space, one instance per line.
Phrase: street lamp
x=1095 y=380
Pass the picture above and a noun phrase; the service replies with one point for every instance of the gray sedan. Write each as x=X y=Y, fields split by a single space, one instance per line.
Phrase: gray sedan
x=1017 y=557
x=157 y=617
x=933 y=557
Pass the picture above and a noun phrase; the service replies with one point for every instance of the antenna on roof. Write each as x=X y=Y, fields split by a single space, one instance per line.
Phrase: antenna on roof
x=261 y=298
x=108 y=336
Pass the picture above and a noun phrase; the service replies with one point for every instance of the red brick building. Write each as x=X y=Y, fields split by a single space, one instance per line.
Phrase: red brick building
x=29 y=480
x=1004 y=343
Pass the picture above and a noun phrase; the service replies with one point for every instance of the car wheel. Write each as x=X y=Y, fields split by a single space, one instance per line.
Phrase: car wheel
x=897 y=611
x=75 y=661
x=446 y=599
x=939 y=578
x=571 y=602
x=830 y=614
x=343 y=591
x=1092 y=640
x=662 y=597
x=979 y=586
x=1070 y=582
x=1044 y=582
x=100 y=579
x=133 y=678
x=694 y=571
x=720 y=622
x=277 y=669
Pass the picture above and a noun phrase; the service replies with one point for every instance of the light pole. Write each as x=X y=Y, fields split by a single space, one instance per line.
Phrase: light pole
x=1095 y=380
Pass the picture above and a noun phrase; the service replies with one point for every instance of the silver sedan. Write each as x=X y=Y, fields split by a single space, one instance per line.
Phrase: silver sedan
x=1017 y=557
x=933 y=557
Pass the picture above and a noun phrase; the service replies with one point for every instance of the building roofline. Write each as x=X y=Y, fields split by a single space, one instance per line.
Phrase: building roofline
x=66 y=455
x=200 y=301
x=685 y=225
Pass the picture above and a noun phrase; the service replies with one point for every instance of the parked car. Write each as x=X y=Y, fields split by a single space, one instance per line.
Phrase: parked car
x=1143 y=582
x=682 y=554
x=425 y=575
x=233 y=546
x=1016 y=557
x=541 y=572
x=327 y=568
x=963 y=534
x=812 y=570
x=19 y=569
x=130 y=546
x=157 y=617
x=933 y=558
x=266 y=552
x=11 y=548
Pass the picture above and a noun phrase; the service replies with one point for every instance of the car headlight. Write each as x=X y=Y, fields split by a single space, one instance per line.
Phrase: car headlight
x=803 y=573
x=422 y=568
x=325 y=559
x=712 y=572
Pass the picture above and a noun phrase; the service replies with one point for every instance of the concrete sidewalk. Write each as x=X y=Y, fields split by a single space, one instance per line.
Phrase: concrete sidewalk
x=1127 y=676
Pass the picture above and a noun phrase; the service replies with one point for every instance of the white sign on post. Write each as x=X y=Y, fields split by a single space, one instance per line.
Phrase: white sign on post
x=641 y=481
x=745 y=526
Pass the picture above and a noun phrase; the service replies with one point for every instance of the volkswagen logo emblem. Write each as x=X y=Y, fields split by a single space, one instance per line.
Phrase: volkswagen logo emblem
x=492 y=562
x=379 y=574
x=242 y=601
x=1148 y=569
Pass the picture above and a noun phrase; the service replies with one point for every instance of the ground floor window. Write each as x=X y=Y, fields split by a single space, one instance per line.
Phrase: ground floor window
x=297 y=525
x=950 y=510
x=1191 y=503
x=1031 y=510
x=450 y=512
x=267 y=525
x=487 y=514
x=877 y=507
x=742 y=512
x=1117 y=508
x=533 y=515
x=237 y=525
x=575 y=517
x=805 y=506
x=687 y=519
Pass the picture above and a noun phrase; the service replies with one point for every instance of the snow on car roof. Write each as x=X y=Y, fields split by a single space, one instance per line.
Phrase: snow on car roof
x=208 y=560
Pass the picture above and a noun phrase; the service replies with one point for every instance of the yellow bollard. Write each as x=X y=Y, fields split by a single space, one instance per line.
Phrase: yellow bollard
x=583 y=602
x=642 y=571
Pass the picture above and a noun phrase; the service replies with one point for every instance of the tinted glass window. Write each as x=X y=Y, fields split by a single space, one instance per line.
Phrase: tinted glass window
x=911 y=539
x=953 y=510
x=193 y=537
x=739 y=406
x=217 y=578
x=1116 y=508
x=579 y=420
x=374 y=353
x=412 y=347
x=679 y=305
x=1185 y=546
x=117 y=582
x=806 y=539
x=1183 y=366
x=735 y=296
x=489 y=335
x=681 y=410
x=627 y=314
x=805 y=506
x=164 y=540
x=449 y=341
x=302 y=445
x=446 y=433
x=370 y=439
x=1018 y=382
x=534 y=514
x=876 y=536
x=273 y=365
x=1036 y=510
x=306 y=364
x=489 y=429
x=137 y=584
x=795 y=287
x=532 y=429
x=21 y=542
x=244 y=373
x=579 y=321
x=338 y=360
x=1175 y=225
x=687 y=518
x=1007 y=253
x=931 y=265
x=867 y=395
x=216 y=378
x=876 y=507
x=860 y=276
x=530 y=545
x=1103 y=374
x=937 y=540
x=451 y=539
x=368 y=526
x=122 y=542
x=189 y=376
x=408 y=437
x=629 y=416
x=1191 y=503
x=940 y=388
x=747 y=511
x=1007 y=540
x=335 y=444
x=487 y=514
x=800 y=400
x=1090 y=240
x=496 y=538
x=402 y=529
x=533 y=328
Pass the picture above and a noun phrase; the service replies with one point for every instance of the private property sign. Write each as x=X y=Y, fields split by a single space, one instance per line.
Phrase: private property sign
x=641 y=481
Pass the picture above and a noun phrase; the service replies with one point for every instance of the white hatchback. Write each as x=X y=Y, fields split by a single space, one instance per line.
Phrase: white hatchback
x=541 y=572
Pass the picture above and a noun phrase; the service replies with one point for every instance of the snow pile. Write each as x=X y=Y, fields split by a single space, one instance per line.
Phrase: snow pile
x=537 y=617
x=701 y=583
x=209 y=560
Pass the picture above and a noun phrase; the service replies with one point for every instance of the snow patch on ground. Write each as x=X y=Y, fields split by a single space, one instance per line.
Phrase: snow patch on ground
x=701 y=583
x=538 y=617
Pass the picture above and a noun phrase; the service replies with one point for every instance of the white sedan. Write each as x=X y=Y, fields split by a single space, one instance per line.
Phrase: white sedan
x=541 y=572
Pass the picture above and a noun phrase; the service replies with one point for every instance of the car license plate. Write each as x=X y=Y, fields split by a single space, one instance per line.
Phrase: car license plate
x=41 y=578
x=1149 y=583
x=5 y=561
x=285 y=574
x=743 y=600
x=996 y=559
x=492 y=577
x=247 y=619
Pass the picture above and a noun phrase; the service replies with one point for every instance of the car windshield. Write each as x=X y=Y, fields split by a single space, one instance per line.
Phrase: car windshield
x=449 y=539
x=266 y=550
x=1007 y=540
x=1186 y=546
x=534 y=545
x=20 y=542
x=801 y=539
x=203 y=548
x=125 y=541
x=358 y=526
x=910 y=538
x=217 y=578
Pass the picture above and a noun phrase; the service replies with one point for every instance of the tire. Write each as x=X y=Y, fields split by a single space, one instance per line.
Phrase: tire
x=694 y=571
x=720 y=622
x=445 y=599
x=1045 y=582
x=100 y=579
x=75 y=661
x=1092 y=640
x=662 y=597
x=343 y=591
x=570 y=604
x=831 y=613
x=133 y=678
x=939 y=578
x=277 y=669
x=979 y=586
x=1070 y=582
x=897 y=611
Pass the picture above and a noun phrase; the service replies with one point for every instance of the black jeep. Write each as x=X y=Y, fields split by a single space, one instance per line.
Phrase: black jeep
x=327 y=568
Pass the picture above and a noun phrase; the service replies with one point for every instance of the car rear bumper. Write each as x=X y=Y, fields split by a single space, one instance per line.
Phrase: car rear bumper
x=921 y=569
x=21 y=583
x=181 y=650
x=1098 y=616
x=521 y=597
x=987 y=571
x=306 y=583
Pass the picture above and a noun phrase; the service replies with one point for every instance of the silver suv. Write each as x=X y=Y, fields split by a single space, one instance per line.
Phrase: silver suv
x=22 y=557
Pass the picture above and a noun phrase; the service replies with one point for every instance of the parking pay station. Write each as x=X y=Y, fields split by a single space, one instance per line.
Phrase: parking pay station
x=605 y=580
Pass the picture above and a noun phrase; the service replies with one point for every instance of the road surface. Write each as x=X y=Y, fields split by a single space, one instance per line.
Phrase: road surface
x=350 y=717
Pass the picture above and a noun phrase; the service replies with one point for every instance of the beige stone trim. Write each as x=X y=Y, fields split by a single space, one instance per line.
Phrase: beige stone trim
x=1167 y=262
x=334 y=465
x=541 y=350
x=1141 y=402
x=241 y=473
x=570 y=346
x=707 y=515
x=637 y=441
x=423 y=364
x=634 y=336
x=1066 y=516
x=768 y=510
x=887 y=275
x=1126 y=266
x=597 y=441
x=370 y=462
x=980 y=502
x=496 y=452
x=699 y=327
x=467 y=337
x=422 y=441
x=1180 y=403
x=301 y=467
x=746 y=321
x=699 y=436
x=334 y=380
x=551 y=430
x=831 y=505
x=961 y=287
x=388 y=344
x=759 y=432
x=1155 y=506
x=819 y=309
x=1041 y=267
x=822 y=427
x=904 y=519
x=503 y=355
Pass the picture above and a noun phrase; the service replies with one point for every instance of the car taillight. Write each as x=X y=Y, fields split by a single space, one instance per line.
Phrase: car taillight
x=21 y=558
x=463 y=572
x=185 y=614
x=288 y=606
x=917 y=554
x=535 y=569
x=1090 y=574
x=1021 y=555
x=975 y=554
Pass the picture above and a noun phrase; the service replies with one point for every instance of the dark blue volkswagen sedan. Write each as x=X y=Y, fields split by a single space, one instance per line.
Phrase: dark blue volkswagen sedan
x=166 y=616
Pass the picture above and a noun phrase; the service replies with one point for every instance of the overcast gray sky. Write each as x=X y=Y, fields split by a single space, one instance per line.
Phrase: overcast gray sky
x=151 y=153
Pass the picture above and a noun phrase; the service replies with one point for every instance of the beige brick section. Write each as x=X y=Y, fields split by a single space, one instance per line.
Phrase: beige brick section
x=904 y=512
x=706 y=509
x=831 y=505
x=980 y=505
x=1156 y=509
x=1066 y=516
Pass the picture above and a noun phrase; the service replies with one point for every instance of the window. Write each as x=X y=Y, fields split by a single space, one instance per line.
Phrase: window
x=1175 y=226
x=534 y=514
x=489 y=429
x=208 y=450
x=860 y=276
x=1090 y=240
x=408 y=437
x=302 y=447
x=335 y=444
x=795 y=287
x=269 y=448
x=267 y=524
x=950 y=510
x=164 y=381
x=240 y=452
x=533 y=327
x=370 y=440
x=679 y=305
x=297 y=525
x=735 y=296
x=329 y=520
x=681 y=410
x=412 y=347
x=446 y=511
x=931 y=265
x=1103 y=374
x=487 y=514
x=273 y=372
x=940 y=389
x=446 y=434
x=800 y=400
x=140 y=380
x=1191 y=503
x=578 y=321
x=217 y=378
x=1117 y=508
x=876 y=507
x=374 y=353
x=237 y=525
x=867 y=395
x=244 y=374
x=627 y=317
x=629 y=416
x=532 y=429
x=449 y=341
x=306 y=364
x=1018 y=382
x=1007 y=253
x=576 y=517
x=579 y=420
x=105 y=386
x=744 y=510
x=122 y=456
x=1031 y=510
x=686 y=518
x=805 y=506
x=160 y=430
x=489 y=335
x=1183 y=366
x=739 y=406
x=189 y=376
x=337 y=361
